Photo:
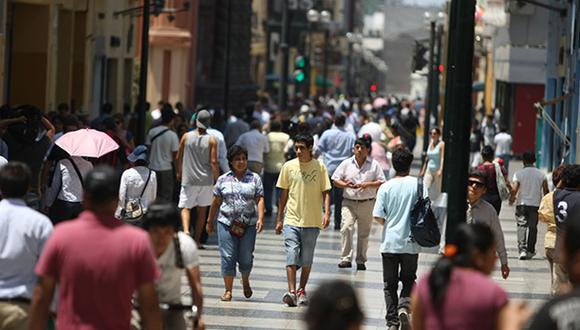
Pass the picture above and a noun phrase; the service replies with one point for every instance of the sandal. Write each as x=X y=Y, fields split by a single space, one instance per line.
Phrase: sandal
x=247 y=290
x=227 y=296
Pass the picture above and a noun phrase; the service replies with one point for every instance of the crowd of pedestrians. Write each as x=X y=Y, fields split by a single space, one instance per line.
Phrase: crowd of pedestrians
x=104 y=242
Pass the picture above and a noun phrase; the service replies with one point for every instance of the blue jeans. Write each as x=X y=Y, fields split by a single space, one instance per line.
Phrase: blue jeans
x=236 y=250
x=270 y=180
x=300 y=243
x=336 y=199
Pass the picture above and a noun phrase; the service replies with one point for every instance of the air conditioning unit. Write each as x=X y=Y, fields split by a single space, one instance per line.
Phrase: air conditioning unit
x=516 y=7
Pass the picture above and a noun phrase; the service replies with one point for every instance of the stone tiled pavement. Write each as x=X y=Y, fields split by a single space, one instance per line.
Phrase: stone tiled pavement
x=528 y=279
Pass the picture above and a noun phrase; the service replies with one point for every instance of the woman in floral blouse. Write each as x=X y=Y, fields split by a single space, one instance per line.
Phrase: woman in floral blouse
x=239 y=204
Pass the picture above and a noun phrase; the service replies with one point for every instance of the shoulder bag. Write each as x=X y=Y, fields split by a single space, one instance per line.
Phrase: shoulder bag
x=502 y=188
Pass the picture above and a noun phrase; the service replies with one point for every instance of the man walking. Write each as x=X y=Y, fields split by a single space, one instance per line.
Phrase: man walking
x=360 y=177
x=530 y=185
x=503 y=147
x=305 y=187
x=257 y=145
x=163 y=143
x=274 y=160
x=399 y=252
x=480 y=211
x=197 y=168
x=23 y=233
x=98 y=263
x=336 y=145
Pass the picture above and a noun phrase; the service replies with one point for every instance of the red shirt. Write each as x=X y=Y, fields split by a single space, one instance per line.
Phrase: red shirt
x=489 y=170
x=98 y=264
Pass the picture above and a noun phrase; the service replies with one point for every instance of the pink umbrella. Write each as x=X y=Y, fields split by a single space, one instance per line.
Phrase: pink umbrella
x=379 y=102
x=87 y=143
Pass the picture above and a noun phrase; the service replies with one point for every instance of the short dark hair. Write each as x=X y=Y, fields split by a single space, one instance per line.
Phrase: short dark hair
x=14 y=180
x=557 y=174
x=275 y=126
x=529 y=157
x=234 y=151
x=480 y=175
x=366 y=141
x=571 y=176
x=255 y=124
x=487 y=153
x=334 y=305
x=101 y=185
x=167 y=115
x=307 y=139
x=161 y=214
x=339 y=120
x=402 y=159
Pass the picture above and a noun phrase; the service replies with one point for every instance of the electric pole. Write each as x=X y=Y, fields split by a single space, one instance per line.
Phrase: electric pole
x=458 y=111
x=431 y=105
x=283 y=88
x=142 y=99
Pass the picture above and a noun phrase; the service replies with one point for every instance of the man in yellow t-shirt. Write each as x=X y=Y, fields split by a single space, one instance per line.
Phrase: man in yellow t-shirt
x=305 y=186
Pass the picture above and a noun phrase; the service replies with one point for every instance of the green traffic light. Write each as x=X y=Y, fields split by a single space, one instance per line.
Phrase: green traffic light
x=300 y=76
x=300 y=62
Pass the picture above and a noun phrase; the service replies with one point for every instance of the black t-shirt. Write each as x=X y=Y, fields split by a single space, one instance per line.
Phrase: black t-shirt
x=475 y=140
x=560 y=313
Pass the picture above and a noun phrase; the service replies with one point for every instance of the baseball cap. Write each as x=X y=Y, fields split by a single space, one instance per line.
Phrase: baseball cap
x=203 y=119
x=140 y=153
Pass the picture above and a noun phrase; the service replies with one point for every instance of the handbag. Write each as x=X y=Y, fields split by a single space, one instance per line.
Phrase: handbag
x=238 y=228
x=424 y=228
x=133 y=210
x=504 y=192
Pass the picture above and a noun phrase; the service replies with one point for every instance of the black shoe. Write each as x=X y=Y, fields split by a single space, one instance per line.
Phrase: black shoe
x=344 y=264
x=404 y=319
x=336 y=227
x=361 y=267
x=268 y=213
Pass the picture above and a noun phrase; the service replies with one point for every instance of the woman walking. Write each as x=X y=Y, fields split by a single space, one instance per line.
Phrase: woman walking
x=458 y=293
x=239 y=198
x=138 y=188
x=488 y=167
x=433 y=168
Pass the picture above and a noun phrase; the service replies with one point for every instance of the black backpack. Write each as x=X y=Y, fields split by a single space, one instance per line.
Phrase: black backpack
x=424 y=228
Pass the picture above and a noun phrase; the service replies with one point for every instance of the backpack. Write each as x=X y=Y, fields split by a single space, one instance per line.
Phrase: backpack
x=424 y=228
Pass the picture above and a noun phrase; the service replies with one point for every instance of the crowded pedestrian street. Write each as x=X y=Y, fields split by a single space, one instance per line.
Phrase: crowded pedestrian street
x=528 y=279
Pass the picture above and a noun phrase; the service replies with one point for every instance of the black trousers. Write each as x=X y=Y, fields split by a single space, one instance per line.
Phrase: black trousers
x=336 y=199
x=398 y=267
x=62 y=211
x=493 y=199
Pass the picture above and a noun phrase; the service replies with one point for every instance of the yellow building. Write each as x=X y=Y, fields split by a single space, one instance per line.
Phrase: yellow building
x=67 y=51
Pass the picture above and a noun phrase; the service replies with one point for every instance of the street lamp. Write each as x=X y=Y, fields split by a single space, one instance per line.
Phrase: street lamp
x=323 y=17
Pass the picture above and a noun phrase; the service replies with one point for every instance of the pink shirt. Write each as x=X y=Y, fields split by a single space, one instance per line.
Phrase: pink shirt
x=98 y=264
x=472 y=301
x=379 y=154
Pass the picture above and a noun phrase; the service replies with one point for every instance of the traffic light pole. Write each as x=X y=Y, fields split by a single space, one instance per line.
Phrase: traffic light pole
x=435 y=112
x=283 y=89
x=227 y=59
x=431 y=100
x=458 y=111
x=142 y=98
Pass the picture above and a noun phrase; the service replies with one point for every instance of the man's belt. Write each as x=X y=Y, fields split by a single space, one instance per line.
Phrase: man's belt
x=360 y=200
x=22 y=300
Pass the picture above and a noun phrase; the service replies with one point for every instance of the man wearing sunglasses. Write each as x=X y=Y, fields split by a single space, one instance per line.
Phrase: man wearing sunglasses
x=480 y=211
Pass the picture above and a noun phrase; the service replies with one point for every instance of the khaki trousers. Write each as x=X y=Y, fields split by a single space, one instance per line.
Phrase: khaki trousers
x=361 y=213
x=14 y=315
x=558 y=274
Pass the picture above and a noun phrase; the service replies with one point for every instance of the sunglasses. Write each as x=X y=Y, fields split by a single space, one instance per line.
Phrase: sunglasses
x=477 y=184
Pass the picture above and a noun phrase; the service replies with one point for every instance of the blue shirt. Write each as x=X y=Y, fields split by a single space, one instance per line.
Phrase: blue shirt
x=238 y=197
x=23 y=233
x=336 y=144
x=395 y=199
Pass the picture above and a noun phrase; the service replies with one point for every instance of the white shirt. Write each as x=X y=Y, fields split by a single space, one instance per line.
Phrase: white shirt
x=169 y=285
x=503 y=144
x=66 y=184
x=162 y=149
x=132 y=184
x=373 y=129
x=222 y=150
x=531 y=182
x=23 y=234
x=256 y=143
x=3 y=161
x=349 y=170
